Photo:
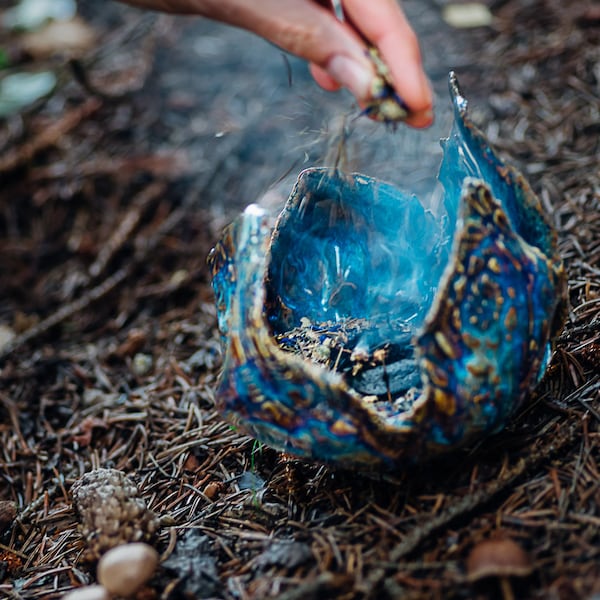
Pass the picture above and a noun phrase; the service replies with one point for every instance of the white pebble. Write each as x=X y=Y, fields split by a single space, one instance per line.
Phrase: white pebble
x=124 y=569
x=88 y=592
x=142 y=364
x=7 y=335
x=467 y=15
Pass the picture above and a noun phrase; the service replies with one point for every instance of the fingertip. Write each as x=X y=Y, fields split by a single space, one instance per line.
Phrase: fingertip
x=410 y=81
x=421 y=120
x=323 y=78
x=385 y=25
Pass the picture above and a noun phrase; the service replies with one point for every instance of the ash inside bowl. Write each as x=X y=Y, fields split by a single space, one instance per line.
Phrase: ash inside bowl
x=384 y=373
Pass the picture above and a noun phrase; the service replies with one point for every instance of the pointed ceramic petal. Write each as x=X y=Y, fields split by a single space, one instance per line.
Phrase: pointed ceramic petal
x=484 y=343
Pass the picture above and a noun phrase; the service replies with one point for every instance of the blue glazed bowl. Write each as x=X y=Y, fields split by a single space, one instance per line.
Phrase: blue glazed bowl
x=360 y=330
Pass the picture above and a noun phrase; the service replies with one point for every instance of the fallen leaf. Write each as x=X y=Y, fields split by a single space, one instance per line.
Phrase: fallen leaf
x=194 y=564
x=19 y=90
x=284 y=553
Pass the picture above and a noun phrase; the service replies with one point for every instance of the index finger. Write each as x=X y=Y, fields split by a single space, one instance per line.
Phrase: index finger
x=384 y=25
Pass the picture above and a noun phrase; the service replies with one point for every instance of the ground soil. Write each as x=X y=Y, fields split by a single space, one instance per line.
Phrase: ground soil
x=114 y=190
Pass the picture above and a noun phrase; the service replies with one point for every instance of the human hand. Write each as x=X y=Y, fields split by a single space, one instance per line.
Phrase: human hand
x=335 y=50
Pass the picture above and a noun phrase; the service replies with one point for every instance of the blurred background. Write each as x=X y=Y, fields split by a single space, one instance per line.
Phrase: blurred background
x=128 y=139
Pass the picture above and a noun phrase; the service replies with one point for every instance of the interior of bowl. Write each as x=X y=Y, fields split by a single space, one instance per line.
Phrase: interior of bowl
x=354 y=266
x=348 y=246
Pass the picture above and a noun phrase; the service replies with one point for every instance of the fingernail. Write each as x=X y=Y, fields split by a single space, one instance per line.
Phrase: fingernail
x=352 y=75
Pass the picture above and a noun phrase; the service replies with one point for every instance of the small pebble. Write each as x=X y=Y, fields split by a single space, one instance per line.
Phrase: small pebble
x=7 y=335
x=88 y=592
x=142 y=364
x=211 y=489
x=467 y=15
x=179 y=277
x=124 y=569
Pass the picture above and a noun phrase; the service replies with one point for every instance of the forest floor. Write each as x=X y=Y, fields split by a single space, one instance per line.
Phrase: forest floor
x=112 y=195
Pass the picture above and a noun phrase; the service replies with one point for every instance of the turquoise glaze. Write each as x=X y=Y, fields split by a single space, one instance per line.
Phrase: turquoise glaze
x=360 y=330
